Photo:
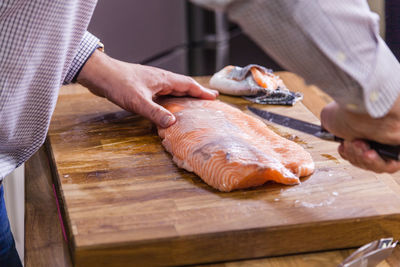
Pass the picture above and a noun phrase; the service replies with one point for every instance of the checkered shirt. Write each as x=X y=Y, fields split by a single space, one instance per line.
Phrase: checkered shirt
x=334 y=44
x=43 y=44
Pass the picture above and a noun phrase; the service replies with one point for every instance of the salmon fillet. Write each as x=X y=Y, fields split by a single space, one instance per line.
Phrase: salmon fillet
x=229 y=149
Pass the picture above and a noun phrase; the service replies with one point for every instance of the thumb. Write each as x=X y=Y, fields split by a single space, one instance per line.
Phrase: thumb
x=157 y=114
x=328 y=116
x=331 y=123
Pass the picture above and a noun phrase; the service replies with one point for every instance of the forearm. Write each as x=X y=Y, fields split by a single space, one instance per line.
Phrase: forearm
x=97 y=72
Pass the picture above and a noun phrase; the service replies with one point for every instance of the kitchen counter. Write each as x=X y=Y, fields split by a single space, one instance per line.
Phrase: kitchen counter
x=44 y=239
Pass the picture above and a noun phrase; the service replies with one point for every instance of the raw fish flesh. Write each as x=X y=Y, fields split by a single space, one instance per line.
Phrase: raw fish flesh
x=229 y=149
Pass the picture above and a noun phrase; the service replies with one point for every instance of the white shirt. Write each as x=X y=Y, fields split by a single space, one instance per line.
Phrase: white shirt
x=334 y=44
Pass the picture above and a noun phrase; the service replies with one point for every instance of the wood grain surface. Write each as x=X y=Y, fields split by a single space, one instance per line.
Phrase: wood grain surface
x=44 y=242
x=112 y=212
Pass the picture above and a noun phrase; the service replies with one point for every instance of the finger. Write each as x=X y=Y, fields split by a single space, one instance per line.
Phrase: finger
x=359 y=154
x=358 y=148
x=377 y=164
x=349 y=152
x=171 y=92
x=190 y=87
x=354 y=152
x=176 y=93
x=329 y=120
x=199 y=91
x=341 y=151
x=328 y=115
x=339 y=122
x=156 y=113
x=374 y=162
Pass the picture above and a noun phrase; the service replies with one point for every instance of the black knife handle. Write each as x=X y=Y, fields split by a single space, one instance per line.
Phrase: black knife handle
x=385 y=151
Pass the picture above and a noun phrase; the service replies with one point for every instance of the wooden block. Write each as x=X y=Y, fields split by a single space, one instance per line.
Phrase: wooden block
x=125 y=201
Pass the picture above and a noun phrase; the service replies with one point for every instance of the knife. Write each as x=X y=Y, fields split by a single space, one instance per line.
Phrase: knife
x=385 y=151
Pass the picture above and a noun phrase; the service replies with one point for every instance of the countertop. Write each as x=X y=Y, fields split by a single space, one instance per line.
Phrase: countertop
x=44 y=244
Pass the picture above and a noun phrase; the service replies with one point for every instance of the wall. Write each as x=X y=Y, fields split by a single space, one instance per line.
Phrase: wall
x=14 y=195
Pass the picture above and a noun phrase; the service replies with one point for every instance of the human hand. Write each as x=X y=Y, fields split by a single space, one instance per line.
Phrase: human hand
x=354 y=128
x=133 y=87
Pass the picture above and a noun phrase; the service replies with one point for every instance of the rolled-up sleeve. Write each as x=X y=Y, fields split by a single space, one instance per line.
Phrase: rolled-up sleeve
x=87 y=46
x=332 y=44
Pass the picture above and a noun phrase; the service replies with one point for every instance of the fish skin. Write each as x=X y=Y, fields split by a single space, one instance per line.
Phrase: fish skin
x=247 y=81
x=220 y=81
x=229 y=149
x=254 y=83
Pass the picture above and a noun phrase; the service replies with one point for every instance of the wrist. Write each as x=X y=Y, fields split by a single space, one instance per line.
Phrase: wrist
x=96 y=73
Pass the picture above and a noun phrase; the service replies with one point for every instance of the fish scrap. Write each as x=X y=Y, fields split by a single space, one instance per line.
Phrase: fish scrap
x=254 y=83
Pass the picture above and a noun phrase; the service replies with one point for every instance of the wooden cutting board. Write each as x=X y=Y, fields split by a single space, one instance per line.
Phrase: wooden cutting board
x=124 y=202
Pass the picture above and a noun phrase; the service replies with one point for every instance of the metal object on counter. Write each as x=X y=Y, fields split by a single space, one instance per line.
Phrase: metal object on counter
x=277 y=97
x=370 y=254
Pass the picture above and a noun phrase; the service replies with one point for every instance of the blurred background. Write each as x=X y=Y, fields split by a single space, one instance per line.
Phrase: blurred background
x=179 y=36
x=174 y=35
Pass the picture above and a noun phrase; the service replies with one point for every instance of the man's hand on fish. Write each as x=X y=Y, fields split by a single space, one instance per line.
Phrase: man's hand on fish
x=133 y=87
x=353 y=127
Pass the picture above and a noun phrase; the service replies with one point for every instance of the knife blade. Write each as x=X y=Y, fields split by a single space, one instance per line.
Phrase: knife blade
x=385 y=151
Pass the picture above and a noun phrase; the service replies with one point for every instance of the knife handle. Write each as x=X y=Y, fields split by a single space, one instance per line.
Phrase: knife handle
x=385 y=151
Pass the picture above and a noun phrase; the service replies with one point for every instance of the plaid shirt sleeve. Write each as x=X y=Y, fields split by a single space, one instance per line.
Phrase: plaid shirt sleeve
x=42 y=44
x=87 y=46
x=332 y=44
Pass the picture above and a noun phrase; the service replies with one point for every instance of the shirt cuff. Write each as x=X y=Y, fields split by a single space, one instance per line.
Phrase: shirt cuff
x=87 y=46
x=383 y=87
